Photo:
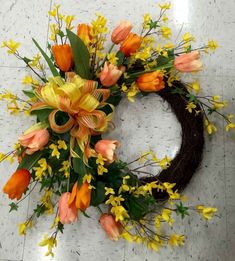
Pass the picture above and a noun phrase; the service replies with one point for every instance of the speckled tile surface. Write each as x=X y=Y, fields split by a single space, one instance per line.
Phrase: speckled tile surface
x=214 y=182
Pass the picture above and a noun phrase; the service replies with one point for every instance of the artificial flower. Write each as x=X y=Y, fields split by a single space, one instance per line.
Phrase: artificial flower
x=188 y=62
x=84 y=32
x=206 y=212
x=81 y=196
x=131 y=44
x=63 y=56
x=112 y=228
x=17 y=184
x=34 y=140
x=151 y=82
x=121 y=32
x=110 y=74
x=67 y=213
x=107 y=148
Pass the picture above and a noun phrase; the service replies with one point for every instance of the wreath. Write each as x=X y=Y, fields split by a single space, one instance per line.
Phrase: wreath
x=63 y=152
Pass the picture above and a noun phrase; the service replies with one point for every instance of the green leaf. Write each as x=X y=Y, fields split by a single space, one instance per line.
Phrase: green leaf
x=30 y=160
x=98 y=194
x=42 y=115
x=79 y=166
x=191 y=97
x=13 y=206
x=60 y=227
x=80 y=54
x=120 y=55
x=182 y=210
x=48 y=60
x=29 y=93
x=39 y=210
x=85 y=214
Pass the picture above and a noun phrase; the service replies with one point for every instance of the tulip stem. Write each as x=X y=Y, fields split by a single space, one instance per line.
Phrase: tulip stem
x=100 y=210
x=109 y=51
x=164 y=66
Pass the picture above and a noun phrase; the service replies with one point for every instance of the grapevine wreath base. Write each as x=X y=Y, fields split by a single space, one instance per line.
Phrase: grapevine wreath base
x=64 y=153
x=189 y=157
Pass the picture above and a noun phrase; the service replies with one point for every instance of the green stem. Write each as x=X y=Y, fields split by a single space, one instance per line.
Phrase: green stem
x=109 y=51
x=100 y=210
x=164 y=66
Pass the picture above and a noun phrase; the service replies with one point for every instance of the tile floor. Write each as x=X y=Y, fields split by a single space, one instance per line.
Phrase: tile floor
x=214 y=183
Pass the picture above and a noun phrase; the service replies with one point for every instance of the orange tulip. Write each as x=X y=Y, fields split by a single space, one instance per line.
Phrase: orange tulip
x=188 y=62
x=106 y=148
x=17 y=184
x=151 y=82
x=34 y=140
x=80 y=196
x=121 y=32
x=67 y=214
x=84 y=32
x=110 y=75
x=112 y=228
x=63 y=56
x=131 y=44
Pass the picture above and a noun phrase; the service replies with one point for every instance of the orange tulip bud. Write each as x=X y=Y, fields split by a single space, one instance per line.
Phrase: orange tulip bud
x=84 y=32
x=151 y=82
x=63 y=56
x=81 y=196
x=110 y=75
x=112 y=228
x=67 y=214
x=106 y=148
x=121 y=32
x=34 y=140
x=188 y=62
x=131 y=44
x=17 y=184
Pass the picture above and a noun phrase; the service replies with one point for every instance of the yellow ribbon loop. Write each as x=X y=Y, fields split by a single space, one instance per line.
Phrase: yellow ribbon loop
x=82 y=101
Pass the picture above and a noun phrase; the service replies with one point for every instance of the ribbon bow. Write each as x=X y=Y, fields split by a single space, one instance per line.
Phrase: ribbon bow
x=81 y=100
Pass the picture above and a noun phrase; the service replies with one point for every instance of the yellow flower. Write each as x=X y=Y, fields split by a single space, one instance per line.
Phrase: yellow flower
x=190 y=107
x=217 y=103
x=55 y=152
x=114 y=201
x=147 y=19
x=166 y=216
x=165 y=162
x=87 y=178
x=55 y=222
x=176 y=240
x=169 y=46
x=41 y=170
x=101 y=169
x=119 y=212
x=112 y=58
x=166 y=32
x=46 y=200
x=187 y=37
x=165 y=6
x=132 y=92
x=196 y=86
x=169 y=187
x=124 y=88
x=68 y=21
x=210 y=127
x=55 y=10
x=54 y=29
x=230 y=126
x=100 y=160
x=206 y=212
x=50 y=242
x=165 y=19
x=29 y=80
x=22 y=229
x=65 y=168
x=109 y=191
x=212 y=45
x=127 y=236
x=62 y=145
x=11 y=45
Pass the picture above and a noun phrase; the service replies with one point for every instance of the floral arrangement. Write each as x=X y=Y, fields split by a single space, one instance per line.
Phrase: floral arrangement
x=64 y=153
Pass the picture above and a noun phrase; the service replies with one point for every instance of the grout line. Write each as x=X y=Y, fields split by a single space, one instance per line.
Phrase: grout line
x=48 y=25
x=225 y=183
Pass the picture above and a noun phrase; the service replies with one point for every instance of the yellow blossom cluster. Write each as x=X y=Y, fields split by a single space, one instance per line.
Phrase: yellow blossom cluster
x=65 y=168
x=50 y=242
x=100 y=161
x=46 y=200
x=61 y=144
x=42 y=170
x=24 y=226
